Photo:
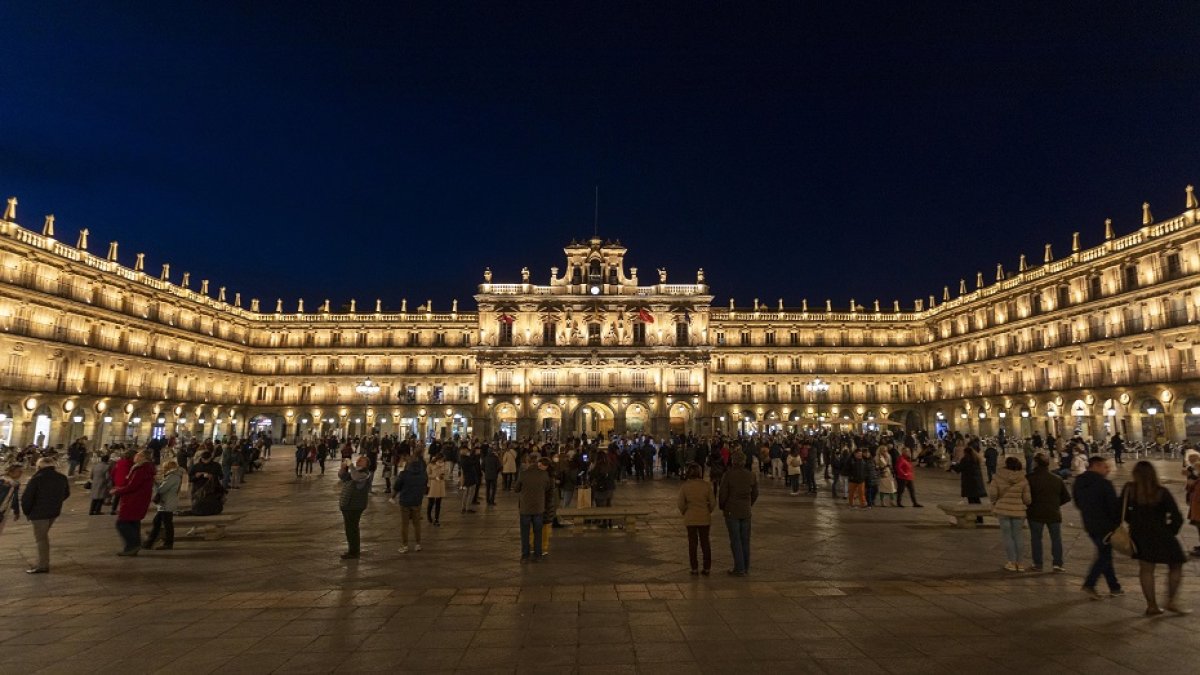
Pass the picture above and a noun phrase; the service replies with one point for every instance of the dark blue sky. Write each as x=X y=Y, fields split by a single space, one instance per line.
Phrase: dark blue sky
x=394 y=149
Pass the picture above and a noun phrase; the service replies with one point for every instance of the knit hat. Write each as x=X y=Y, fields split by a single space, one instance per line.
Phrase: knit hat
x=738 y=458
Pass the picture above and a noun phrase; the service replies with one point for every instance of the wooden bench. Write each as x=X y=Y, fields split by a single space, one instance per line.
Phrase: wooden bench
x=629 y=514
x=208 y=527
x=965 y=514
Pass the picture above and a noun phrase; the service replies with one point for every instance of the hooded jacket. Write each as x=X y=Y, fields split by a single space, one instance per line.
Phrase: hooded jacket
x=411 y=483
x=356 y=488
x=1009 y=492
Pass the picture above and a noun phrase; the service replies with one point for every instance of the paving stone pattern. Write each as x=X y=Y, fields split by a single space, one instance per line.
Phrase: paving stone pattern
x=831 y=590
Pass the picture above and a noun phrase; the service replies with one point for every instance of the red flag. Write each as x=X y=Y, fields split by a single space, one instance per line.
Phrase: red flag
x=506 y=318
x=645 y=316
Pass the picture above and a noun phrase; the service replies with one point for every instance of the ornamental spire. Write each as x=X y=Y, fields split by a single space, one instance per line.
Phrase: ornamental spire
x=187 y=278
x=1108 y=229
x=204 y=287
x=1048 y=256
x=300 y=306
x=962 y=286
x=112 y=251
x=979 y=280
x=10 y=211
x=1191 y=198
x=166 y=272
x=279 y=305
x=1147 y=218
x=1074 y=242
x=48 y=226
x=999 y=271
x=1022 y=265
x=221 y=294
x=82 y=243
x=945 y=294
x=139 y=265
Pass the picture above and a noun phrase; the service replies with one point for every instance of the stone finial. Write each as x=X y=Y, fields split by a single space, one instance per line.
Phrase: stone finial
x=979 y=280
x=404 y=305
x=932 y=304
x=279 y=305
x=487 y=275
x=429 y=306
x=204 y=287
x=1048 y=255
x=1022 y=265
x=962 y=286
x=633 y=275
x=662 y=275
x=454 y=305
x=1147 y=218
x=553 y=274
x=48 y=226
x=254 y=305
x=221 y=294
x=187 y=277
x=325 y=306
x=1191 y=198
x=524 y=275
x=10 y=211
x=353 y=306
x=945 y=294
x=781 y=304
x=804 y=305
x=82 y=242
x=999 y=272
x=876 y=305
x=166 y=272
x=1108 y=229
x=112 y=251
x=300 y=306
x=731 y=304
x=700 y=275
x=378 y=305
x=828 y=305
x=896 y=306
x=756 y=304
x=919 y=304
x=237 y=299
x=139 y=265
x=1074 y=242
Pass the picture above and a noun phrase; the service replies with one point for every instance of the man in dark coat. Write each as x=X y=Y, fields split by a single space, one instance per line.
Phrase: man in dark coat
x=470 y=468
x=491 y=473
x=1047 y=495
x=42 y=503
x=1097 y=502
x=737 y=494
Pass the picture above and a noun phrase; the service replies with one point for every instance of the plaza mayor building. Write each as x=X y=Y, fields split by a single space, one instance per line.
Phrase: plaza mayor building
x=1092 y=341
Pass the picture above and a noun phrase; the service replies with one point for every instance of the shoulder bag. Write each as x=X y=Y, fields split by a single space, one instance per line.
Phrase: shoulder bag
x=1119 y=538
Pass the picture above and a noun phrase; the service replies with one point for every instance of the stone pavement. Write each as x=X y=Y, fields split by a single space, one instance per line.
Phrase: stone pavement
x=832 y=590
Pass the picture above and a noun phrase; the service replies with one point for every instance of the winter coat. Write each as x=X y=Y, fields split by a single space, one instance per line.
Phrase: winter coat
x=411 y=484
x=135 y=493
x=44 y=494
x=168 y=489
x=356 y=488
x=971 y=483
x=536 y=489
x=857 y=470
x=509 y=462
x=10 y=497
x=887 y=482
x=1097 y=501
x=101 y=480
x=119 y=471
x=469 y=465
x=696 y=502
x=491 y=466
x=904 y=468
x=1047 y=494
x=738 y=492
x=1009 y=493
x=437 y=480
x=795 y=465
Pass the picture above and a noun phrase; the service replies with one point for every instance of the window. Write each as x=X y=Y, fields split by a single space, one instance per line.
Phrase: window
x=720 y=338
x=504 y=380
x=722 y=392
x=549 y=379
x=720 y=364
x=278 y=393
x=335 y=338
x=1035 y=303
x=770 y=337
x=410 y=394
x=747 y=392
x=261 y=394
x=894 y=392
x=683 y=380
x=846 y=392
x=1174 y=268
x=306 y=393
x=681 y=333
x=794 y=339
x=1131 y=278
x=639 y=333
x=871 y=392
x=797 y=392
x=639 y=380
x=772 y=392
x=549 y=332
x=593 y=377
x=464 y=393
x=464 y=363
x=1095 y=287
x=745 y=337
x=594 y=333
x=414 y=339
x=362 y=339
x=1064 y=297
x=506 y=334
x=771 y=364
x=614 y=380
x=439 y=339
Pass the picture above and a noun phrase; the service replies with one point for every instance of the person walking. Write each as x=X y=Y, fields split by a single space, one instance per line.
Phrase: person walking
x=856 y=470
x=1154 y=521
x=509 y=467
x=1047 y=494
x=1010 y=496
x=42 y=503
x=1097 y=502
x=356 y=488
x=437 y=489
x=10 y=494
x=738 y=492
x=696 y=503
x=166 y=501
x=535 y=488
x=135 y=497
x=117 y=475
x=411 y=485
x=101 y=475
x=971 y=485
x=887 y=478
x=905 y=479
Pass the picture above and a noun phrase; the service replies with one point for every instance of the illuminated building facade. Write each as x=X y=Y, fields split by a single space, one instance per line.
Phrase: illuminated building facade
x=1103 y=339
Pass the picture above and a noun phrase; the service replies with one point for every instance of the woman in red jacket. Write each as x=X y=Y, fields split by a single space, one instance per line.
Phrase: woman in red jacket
x=135 y=501
x=904 y=478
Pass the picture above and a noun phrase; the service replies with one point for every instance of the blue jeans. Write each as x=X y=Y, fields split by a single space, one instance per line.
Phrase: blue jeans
x=1010 y=532
x=739 y=542
x=534 y=521
x=1103 y=564
x=1035 y=541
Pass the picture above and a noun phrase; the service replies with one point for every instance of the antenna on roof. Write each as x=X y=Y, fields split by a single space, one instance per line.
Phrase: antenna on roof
x=596 y=215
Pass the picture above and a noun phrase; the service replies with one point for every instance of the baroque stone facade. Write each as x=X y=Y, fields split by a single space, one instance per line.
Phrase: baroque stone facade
x=1103 y=339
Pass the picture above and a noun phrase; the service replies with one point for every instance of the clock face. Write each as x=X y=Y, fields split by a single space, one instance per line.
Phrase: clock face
x=595 y=290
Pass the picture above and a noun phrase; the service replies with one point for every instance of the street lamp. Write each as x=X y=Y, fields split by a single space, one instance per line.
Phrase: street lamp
x=817 y=386
x=367 y=389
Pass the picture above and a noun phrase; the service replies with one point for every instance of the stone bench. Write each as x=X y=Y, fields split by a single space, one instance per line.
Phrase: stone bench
x=630 y=516
x=965 y=514
x=209 y=527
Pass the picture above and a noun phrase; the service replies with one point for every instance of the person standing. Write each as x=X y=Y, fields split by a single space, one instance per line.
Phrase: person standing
x=1154 y=521
x=971 y=484
x=166 y=500
x=301 y=456
x=10 y=494
x=991 y=459
x=509 y=470
x=101 y=474
x=42 y=503
x=76 y=455
x=1010 y=496
x=1047 y=494
x=1097 y=502
x=738 y=492
x=856 y=470
x=1118 y=447
x=437 y=489
x=117 y=475
x=535 y=489
x=696 y=503
x=491 y=474
x=356 y=488
x=135 y=502
x=795 y=466
x=469 y=470
x=411 y=484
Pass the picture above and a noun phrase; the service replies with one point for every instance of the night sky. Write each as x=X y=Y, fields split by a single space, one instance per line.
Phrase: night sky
x=360 y=149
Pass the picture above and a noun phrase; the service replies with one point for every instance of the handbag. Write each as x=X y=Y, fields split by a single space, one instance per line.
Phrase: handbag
x=1119 y=538
x=583 y=497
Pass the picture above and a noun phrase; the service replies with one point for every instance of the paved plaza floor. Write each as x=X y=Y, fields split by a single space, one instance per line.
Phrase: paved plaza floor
x=832 y=590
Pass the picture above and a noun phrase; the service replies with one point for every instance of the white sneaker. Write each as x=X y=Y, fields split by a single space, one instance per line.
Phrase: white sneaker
x=417 y=547
x=403 y=549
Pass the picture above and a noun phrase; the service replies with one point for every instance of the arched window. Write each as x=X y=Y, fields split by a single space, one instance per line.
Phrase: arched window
x=595 y=272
